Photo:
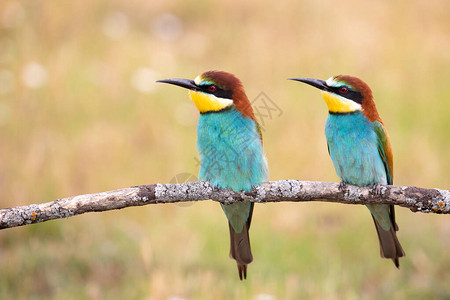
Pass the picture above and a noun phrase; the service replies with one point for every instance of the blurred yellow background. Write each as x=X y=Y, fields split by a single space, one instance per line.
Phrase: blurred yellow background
x=80 y=113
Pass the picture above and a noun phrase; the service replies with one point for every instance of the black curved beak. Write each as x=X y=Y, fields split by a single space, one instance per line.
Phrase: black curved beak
x=184 y=83
x=317 y=83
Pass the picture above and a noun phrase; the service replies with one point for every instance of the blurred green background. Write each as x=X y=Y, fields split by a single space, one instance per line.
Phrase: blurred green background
x=80 y=113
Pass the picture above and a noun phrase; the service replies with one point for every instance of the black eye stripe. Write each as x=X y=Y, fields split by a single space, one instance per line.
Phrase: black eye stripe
x=349 y=94
x=218 y=92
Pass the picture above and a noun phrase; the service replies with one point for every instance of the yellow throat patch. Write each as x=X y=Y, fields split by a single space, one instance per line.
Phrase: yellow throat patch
x=338 y=104
x=207 y=102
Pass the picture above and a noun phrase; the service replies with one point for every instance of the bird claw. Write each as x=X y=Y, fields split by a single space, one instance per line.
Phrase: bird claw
x=377 y=189
x=342 y=186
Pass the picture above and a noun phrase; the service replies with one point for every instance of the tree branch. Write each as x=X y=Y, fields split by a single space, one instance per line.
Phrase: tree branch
x=414 y=198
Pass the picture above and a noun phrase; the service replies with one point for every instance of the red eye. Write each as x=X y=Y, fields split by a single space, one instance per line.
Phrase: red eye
x=212 y=88
x=343 y=89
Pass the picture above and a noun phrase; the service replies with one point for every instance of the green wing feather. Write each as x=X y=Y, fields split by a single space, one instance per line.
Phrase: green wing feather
x=384 y=148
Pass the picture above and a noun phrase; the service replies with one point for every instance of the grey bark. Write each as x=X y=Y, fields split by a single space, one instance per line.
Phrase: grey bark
x=414 y=198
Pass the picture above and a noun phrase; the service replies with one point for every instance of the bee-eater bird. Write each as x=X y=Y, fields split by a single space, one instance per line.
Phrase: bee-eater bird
x=360 y=149
x=229 y=142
